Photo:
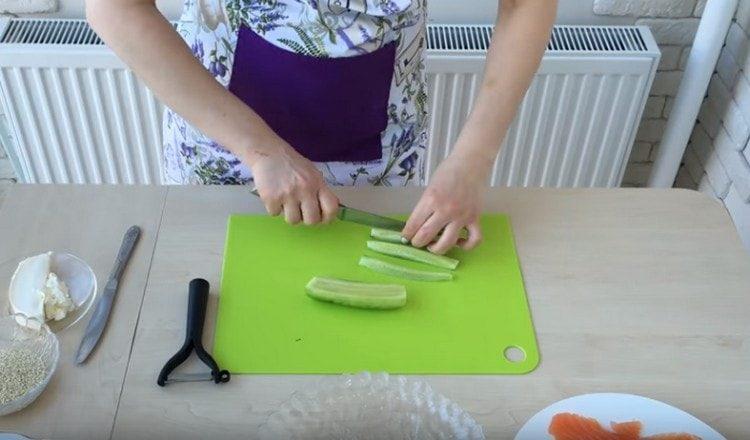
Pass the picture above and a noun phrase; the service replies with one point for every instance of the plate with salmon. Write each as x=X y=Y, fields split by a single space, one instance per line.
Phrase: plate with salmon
x=609 y=416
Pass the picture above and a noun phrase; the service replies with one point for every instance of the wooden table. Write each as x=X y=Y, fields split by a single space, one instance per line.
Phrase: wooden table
x=639 y=291
x=81 y=402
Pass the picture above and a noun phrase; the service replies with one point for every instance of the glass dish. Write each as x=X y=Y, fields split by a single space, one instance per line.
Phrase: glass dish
x=81 y=282
x=370 y=406
x=42 y=342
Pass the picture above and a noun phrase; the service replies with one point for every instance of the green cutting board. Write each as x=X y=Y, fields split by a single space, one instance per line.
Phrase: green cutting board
x=267 y=324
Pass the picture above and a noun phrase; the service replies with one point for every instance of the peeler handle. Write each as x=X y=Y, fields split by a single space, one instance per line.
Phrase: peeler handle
x=197 y=301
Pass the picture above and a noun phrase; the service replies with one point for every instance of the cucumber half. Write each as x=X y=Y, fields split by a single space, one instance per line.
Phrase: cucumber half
x=355 y=294
x=397 y=270
x=388 y=235
x=412 y=253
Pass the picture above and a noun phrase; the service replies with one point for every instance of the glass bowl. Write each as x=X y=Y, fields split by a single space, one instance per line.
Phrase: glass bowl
x=17 y=332
x=370 y=406
x=81 y=282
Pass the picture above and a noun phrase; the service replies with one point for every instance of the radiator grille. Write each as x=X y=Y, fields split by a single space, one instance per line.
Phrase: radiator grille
x=563 y=39
x=458 y=38
x=42 y=31
x=597 y=39
x=440 y=37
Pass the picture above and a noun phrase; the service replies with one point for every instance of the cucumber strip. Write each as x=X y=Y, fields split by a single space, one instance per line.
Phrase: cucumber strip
x=396 y=270
x=388 y=235
x=412 y=253
x=355 y=294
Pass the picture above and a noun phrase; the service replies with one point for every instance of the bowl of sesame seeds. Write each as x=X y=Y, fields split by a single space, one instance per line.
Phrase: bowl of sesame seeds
x=28 y=359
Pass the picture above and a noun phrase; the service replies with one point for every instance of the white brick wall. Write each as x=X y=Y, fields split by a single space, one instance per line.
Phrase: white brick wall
x=719 y=148
x=717 y=160
x=740 y=211
x=670 y=57
x=672 y=31
x=645 y=8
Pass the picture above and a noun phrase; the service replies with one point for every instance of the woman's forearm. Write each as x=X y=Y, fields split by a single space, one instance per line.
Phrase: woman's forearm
x=518 y=44
x=147 y=42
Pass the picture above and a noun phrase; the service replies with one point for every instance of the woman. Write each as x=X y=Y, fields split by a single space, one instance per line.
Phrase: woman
x=296 y=95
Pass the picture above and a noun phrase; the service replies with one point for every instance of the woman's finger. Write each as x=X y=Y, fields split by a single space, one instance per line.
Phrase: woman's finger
x=329 y=204
x=292 y=213
x=273 y=206
x=311 y=210
x=417 y=218
x=429 y=230
x=475 y=237
x=447 y=240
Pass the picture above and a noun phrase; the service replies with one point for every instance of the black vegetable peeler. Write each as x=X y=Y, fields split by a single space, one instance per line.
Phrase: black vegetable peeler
x=197 y=301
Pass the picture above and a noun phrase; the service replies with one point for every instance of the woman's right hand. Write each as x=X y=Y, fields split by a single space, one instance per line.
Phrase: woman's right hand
x=288 y=182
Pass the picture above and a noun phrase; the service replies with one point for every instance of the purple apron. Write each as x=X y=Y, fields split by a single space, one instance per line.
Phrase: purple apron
x=328 y=109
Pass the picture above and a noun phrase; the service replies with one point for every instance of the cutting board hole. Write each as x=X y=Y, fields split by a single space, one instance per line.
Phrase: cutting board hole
x=514 y=354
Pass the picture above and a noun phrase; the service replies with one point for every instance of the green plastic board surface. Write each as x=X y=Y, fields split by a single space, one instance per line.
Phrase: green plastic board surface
x=267 y=324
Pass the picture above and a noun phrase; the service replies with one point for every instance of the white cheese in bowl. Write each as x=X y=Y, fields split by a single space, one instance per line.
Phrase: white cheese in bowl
x=37 y=292
x=57 y=301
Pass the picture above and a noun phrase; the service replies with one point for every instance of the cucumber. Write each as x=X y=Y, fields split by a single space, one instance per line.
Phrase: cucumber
x=396 y=270
x=388 y=235
x=412 y=253
x=355 y=294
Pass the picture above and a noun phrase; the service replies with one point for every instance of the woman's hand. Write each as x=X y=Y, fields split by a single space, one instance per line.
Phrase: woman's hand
x=453 y=199
x=288 y=182
x=452 y=202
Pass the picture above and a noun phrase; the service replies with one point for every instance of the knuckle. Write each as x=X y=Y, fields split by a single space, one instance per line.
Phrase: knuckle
x=310 y=179
x=287 y=192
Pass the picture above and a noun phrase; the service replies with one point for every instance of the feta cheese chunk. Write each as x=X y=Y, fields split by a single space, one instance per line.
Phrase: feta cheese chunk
x=57 y=301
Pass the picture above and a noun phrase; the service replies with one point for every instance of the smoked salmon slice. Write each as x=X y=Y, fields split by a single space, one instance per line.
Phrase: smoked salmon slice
x=628 y=430
x=569 y=426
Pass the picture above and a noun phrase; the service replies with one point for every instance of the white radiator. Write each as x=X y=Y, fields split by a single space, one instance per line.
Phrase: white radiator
x=75 y=114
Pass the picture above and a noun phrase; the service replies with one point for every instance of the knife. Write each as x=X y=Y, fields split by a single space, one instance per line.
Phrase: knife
x=363 y=217
x=99 y=319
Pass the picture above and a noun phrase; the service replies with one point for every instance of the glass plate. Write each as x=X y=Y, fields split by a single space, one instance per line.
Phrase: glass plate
x=370 y=406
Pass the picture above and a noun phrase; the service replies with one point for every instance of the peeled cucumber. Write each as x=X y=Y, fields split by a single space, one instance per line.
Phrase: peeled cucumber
x=355 y=294
x=396 y=270
x=388 y=235
x=412 y=253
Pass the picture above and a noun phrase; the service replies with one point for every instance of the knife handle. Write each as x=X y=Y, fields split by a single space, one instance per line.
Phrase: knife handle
x=197 y=301
x=257 y=194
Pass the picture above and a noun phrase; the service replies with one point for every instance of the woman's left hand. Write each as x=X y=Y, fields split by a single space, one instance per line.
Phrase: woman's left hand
x=451 y=202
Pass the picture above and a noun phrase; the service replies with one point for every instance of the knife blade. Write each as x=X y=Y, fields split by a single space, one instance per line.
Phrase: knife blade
x=369 y=219
x=99 y=319
x=363 y=217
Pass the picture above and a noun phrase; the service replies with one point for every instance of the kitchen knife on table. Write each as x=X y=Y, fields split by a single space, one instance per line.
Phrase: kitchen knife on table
x=101 y=312
x=364 y=218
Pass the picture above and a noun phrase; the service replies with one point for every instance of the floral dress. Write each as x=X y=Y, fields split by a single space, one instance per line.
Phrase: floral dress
x=324 y=29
